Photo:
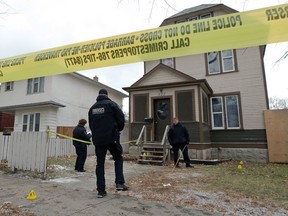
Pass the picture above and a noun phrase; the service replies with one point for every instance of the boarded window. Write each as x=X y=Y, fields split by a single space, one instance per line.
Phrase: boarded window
x=140 y=107
x=185 y=108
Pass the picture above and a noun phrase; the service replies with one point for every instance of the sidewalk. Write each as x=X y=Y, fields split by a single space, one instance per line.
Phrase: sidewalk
x=76 y=195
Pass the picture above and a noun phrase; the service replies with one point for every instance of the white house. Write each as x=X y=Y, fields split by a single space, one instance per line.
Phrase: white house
x=51 y=101
x=219 y=96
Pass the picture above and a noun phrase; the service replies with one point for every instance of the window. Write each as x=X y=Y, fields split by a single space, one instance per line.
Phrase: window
x=225 y=107
x=141 y=107
x=181 y=21
x=213 y=63
x=232 y=112
x=192 y=18
x=31 y=122
x=205 y=105
x=203 y=16
x=217 y=113
x=169 y=62
x=9 y=86
x=35 y=85
x=185 y=105
x=227 y=63
x=227 y=60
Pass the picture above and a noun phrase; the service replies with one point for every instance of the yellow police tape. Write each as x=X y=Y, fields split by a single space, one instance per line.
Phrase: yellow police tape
x=83 y=141
x=236 y=30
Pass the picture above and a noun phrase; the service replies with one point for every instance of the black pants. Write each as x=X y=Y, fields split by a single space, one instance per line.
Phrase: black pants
x=81 y=151
x=176 y=148
x=116 y=152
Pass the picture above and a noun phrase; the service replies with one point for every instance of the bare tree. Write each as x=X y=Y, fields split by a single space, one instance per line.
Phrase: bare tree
x=4 y=10
x=166 y=5
x=278 y=103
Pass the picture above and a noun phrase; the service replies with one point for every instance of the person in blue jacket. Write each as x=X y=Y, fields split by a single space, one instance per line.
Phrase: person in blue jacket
x=79 y=133
x=106 y=120
x=178 y=137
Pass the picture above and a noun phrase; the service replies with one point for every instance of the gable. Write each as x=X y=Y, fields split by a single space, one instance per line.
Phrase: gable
x=162 y=74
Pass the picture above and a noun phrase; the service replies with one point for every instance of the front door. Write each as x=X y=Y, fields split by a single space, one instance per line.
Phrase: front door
x=162 y=117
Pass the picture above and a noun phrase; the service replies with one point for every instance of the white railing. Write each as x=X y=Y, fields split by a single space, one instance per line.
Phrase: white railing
x=142 y=138
x=166 y=146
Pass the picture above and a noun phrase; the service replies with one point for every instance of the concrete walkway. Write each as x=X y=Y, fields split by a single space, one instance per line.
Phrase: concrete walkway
x=76 y=195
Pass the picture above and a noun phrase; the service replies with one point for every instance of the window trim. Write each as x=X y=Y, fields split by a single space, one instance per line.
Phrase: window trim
x=224 y=111
x=31 y=126
x=196 y=17
x=172 y=60
x=212 y=114
x=238 y=112
x=205 y=16
x=221 y=63
x=40 y=81
x=9 y=86
x=223 y=58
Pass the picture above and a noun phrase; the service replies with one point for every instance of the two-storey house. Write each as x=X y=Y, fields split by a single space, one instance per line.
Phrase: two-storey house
x=219 y=96
x=51 y=101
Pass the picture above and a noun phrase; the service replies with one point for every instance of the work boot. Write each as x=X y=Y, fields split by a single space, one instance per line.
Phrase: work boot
x=121 y=187
x=101 y=194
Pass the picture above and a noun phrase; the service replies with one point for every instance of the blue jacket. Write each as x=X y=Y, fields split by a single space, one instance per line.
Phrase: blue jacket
x=106 y=120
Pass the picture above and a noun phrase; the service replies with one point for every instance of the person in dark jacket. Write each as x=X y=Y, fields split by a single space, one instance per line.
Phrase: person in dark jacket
x=179 y=138
x=106 y=120
x=79 y=133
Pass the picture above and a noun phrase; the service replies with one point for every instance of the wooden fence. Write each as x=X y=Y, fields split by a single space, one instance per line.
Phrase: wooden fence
x=30 y=150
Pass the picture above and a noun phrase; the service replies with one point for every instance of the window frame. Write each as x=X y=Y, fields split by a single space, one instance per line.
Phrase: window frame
x=35 y=85
x=238 y=112
x=225 y=110
x=221 y=65
x=9 y=86
x=171 y=61
x=31 y=122
x=196 y=17
x=217 y=112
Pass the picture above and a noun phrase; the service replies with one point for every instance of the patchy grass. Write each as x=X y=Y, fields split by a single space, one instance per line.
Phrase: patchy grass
x=264 y=181
x=256 y=189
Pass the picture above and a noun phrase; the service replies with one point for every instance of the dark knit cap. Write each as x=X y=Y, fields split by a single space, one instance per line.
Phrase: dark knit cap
x=103 y=91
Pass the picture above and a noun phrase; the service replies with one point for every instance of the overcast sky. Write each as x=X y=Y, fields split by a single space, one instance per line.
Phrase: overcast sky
x=33 y=25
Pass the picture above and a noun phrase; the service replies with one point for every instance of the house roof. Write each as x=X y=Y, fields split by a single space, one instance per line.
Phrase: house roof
x=165 y=69
x=30 y=105
x=177 y=78
x=101 y=85
x=203 y=8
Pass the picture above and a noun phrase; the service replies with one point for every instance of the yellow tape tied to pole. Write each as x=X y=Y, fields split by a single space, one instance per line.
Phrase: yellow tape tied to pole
x=237 y=30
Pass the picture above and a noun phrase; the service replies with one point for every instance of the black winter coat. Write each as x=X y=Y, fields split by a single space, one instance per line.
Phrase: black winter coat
x=178 y=134
x=106 y=120
x=80 y=133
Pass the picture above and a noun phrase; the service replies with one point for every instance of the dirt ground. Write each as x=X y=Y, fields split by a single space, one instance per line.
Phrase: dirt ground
x=179 y=187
